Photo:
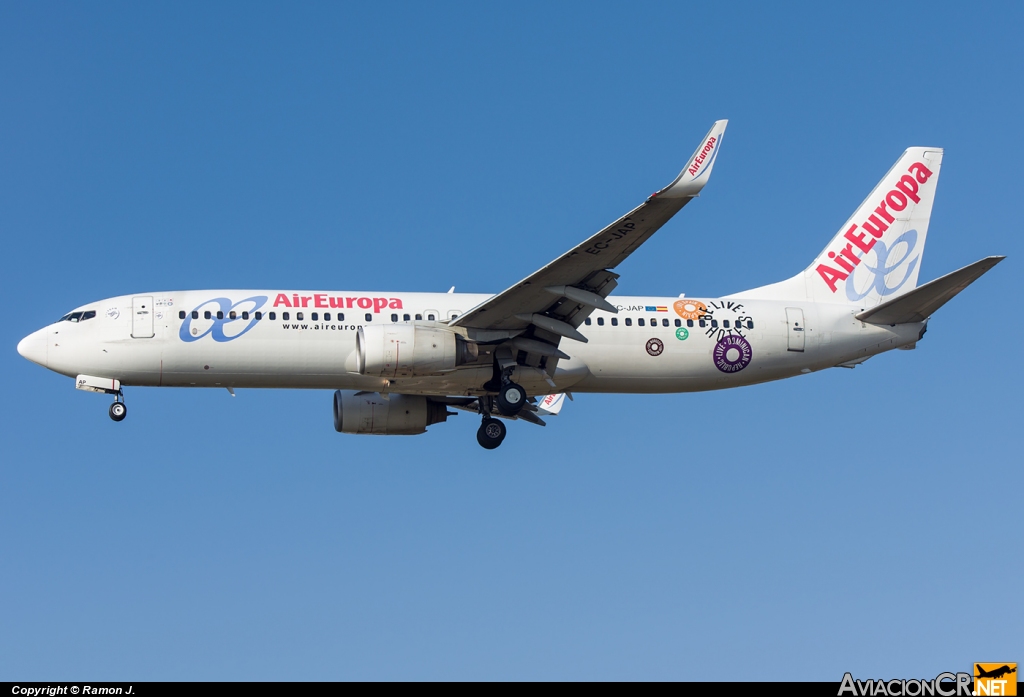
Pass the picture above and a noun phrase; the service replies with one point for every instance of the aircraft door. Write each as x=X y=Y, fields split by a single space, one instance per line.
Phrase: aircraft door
x=795 y=328
x=142 y=317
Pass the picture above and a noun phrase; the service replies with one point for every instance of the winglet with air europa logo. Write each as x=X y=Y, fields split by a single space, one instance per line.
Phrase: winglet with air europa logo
x=698 y=168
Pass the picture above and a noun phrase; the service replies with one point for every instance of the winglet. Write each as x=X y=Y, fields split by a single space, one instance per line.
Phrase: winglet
x=698 y=169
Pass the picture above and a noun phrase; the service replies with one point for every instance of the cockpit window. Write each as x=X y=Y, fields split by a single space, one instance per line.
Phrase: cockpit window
x=78 y=316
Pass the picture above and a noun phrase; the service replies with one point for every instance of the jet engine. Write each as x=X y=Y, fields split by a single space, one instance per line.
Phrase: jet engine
x=399 y=415
x=407 y=350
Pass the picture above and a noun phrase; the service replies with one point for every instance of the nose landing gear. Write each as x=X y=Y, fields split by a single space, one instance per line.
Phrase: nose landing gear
x=118 y=410
x=491 y=433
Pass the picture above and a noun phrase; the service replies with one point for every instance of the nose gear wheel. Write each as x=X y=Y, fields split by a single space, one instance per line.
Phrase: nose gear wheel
x=491 y=433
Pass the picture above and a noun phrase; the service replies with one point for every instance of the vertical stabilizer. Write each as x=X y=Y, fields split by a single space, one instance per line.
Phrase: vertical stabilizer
x=876 y=255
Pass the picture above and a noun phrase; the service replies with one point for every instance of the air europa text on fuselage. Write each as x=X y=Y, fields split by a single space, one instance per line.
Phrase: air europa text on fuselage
x=703 y=155
x=877 y=223
x=326 y=301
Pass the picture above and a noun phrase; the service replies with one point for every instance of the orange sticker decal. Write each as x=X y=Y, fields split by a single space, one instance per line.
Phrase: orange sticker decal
x=690 y=309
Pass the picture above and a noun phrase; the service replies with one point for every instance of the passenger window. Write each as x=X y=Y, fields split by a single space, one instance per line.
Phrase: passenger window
x=689 y=323
x=629 y=322
x=232 y=315
x=664 y=322
x=714 y=324
x=369 y=317
x=220 y=314
x=702 y=323
x=615 y=321
x=314 y=316
x=750 y=324
x=327 y=317
x=272 y=315
x=725 y=323
x=600 y=321
x=341 y=316
x=206 y=315
x=679 y=322
x=285 y=316
x=640 y=322
x=430 y=317
x=394 y=317
x=405 y=318
x=300 y=316
x=654 y=321
x=181 y=314
x=587 y=321
x=259 y=316
x=195 y=314
x=419 y=316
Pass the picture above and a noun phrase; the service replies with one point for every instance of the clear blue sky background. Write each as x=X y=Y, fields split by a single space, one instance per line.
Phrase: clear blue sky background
x=863 y=520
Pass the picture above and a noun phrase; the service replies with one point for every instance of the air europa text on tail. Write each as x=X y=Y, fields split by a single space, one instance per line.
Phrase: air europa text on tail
x=877 y=223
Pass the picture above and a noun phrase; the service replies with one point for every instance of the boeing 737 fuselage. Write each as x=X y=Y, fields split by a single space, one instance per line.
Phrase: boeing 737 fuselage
x=399 y=361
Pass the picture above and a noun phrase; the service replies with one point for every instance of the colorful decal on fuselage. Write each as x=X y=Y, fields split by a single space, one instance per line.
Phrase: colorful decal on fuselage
x=689 y=309
x=682 y=333
x=226 y=322
x=723 y=317
x=732 y=353
x=655 y=347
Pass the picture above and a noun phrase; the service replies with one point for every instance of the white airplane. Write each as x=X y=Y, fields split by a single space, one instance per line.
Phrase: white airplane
x=399 y=361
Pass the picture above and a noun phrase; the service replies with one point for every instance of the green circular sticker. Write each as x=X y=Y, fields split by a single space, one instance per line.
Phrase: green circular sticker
x=681 y=333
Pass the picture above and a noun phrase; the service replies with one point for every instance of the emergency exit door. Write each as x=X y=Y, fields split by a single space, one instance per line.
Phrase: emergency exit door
x=795 y=333
x=142 y=317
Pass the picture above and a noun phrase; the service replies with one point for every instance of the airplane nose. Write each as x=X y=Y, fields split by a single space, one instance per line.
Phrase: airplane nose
x=33 y=347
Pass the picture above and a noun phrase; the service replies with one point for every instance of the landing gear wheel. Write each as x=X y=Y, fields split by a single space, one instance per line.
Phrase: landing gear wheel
x=511 y=398
x=118 y=411
x=491 y=433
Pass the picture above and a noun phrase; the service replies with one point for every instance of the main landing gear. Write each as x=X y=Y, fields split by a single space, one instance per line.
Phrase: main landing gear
x=118 y=410
x=511 y=398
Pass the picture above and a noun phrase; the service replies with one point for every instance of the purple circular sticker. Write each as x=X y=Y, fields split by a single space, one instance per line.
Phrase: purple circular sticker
x=655 y=347
x=732 y=354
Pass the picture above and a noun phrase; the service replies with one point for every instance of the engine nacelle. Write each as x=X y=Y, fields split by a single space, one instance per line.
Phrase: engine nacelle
x=407 y=350
x=399 y=415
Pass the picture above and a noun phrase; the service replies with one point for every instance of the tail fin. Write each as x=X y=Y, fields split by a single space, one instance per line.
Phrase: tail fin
x=876 y=255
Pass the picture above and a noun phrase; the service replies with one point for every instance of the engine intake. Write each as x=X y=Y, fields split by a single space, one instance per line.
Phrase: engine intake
x=399 y=415
x=407 y=350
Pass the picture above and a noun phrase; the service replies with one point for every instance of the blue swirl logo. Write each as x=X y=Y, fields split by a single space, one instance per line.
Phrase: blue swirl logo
x=223 y=326
x=885 y=266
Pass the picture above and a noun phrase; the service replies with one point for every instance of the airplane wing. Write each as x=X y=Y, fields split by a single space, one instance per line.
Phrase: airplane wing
x=550 y=303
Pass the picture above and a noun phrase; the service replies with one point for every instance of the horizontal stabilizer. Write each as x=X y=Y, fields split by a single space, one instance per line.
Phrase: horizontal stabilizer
x=551 y=404
x=919 y=304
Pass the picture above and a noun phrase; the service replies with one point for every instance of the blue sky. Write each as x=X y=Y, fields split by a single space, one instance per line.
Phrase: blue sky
x=856 y=520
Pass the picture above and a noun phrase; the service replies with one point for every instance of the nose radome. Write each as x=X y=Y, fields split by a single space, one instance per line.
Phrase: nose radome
x=33 y=347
